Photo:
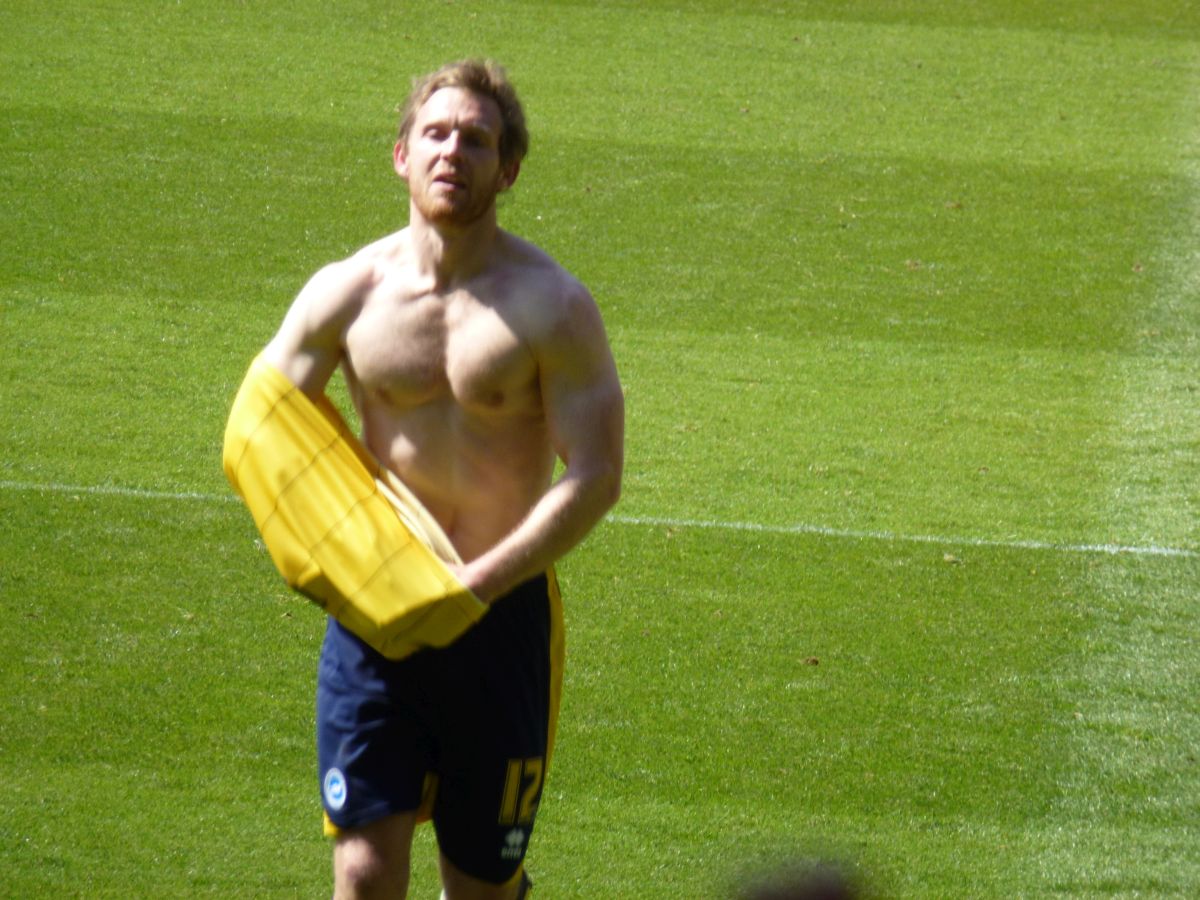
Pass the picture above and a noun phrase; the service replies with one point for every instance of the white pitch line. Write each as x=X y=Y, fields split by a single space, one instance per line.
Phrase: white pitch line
x=108 y=490
x=662 y=522
x=894 y=537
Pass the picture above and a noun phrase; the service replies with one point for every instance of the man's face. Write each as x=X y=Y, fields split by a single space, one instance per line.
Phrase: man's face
x=451 y=157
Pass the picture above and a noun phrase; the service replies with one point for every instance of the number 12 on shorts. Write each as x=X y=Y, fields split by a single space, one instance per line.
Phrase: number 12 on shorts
x=522 y=787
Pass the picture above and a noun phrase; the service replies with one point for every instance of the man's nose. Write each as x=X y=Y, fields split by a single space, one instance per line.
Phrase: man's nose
x=452 y=145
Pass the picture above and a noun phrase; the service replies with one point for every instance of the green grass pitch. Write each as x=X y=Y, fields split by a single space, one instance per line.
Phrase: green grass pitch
x=906 y=301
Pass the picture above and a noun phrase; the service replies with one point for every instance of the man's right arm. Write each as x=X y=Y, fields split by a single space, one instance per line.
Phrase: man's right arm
x=308 y=346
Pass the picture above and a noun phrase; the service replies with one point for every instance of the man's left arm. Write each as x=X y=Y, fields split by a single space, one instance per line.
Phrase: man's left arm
x=585 y=416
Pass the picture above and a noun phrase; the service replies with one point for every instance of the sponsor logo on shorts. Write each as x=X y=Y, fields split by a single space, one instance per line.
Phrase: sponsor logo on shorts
x=335 y=789
x=514 y=844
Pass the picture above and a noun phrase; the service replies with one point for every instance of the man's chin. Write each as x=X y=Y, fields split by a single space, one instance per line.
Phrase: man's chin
x=452 y=215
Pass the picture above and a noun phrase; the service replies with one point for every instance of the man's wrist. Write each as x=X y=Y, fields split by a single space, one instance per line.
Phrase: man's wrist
x=476 y=581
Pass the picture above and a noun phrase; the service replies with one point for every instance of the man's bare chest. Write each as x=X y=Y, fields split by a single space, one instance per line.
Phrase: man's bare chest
x=413 y=350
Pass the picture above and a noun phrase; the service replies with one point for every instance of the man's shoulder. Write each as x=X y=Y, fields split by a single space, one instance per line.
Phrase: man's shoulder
x=539 y=274
x=354 y=276
x=555 y=309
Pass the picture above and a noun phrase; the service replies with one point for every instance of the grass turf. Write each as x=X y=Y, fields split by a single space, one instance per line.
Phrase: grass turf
x=894 y=270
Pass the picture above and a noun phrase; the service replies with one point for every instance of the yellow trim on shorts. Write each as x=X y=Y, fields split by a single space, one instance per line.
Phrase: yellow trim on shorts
x=558 y=655
x=424 y=810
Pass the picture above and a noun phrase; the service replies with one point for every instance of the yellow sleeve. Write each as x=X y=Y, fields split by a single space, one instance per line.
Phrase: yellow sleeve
x=338 y=528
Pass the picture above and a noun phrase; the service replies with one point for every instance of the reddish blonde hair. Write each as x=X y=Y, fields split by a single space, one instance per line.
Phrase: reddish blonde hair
x=483 y=77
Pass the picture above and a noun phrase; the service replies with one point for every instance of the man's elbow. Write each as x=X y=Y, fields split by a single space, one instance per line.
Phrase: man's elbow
x=598 y=487
x=608 y=487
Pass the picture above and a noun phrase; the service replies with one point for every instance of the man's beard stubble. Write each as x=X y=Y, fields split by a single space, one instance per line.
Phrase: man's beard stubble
x=442 y=211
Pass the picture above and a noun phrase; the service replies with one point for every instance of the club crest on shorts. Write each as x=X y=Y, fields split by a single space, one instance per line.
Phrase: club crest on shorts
x=335 y=789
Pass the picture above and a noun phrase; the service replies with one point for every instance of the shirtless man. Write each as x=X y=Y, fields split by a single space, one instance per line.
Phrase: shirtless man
x=474 y=362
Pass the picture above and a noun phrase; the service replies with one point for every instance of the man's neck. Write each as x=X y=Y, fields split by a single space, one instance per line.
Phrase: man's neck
x=452 y=253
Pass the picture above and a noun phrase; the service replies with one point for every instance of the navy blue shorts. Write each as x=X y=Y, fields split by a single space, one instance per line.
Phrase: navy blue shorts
x=476 y=716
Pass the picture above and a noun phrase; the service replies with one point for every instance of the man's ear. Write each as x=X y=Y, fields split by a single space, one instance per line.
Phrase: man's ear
x=400 y=159
x=508 y=175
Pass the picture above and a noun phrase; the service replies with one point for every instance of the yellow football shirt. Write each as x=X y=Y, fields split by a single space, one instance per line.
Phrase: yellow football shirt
x=341 y=528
